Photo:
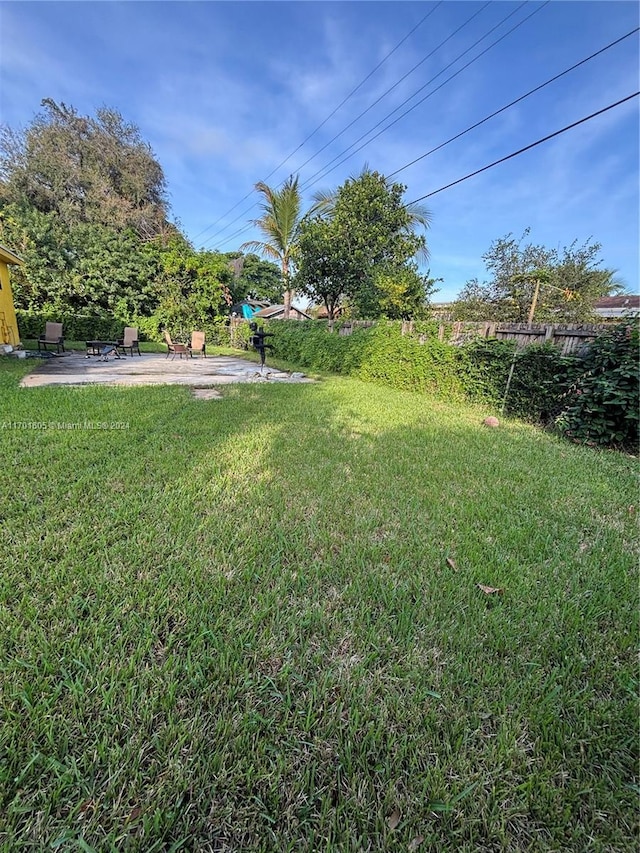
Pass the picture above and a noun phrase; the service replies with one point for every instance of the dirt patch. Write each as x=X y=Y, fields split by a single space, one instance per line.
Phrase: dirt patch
x=207 y=394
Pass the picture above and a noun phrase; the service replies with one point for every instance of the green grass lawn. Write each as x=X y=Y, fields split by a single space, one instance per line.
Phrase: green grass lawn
x=254 y=624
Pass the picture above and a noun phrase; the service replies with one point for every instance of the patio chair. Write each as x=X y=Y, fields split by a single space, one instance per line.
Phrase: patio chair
x=176 y=349
x=52 y=337
x=197 y=344
x=130 y=341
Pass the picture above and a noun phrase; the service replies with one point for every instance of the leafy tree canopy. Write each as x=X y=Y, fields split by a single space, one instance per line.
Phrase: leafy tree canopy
x=192 y=288
x=569 y=283
x=89 y=267
x=255 y=278
x=85 y=169
x=360 y=246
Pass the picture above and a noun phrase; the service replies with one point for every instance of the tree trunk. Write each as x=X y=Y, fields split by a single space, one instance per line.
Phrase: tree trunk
x=329 y=307
x=287 y=303
x=288 y=294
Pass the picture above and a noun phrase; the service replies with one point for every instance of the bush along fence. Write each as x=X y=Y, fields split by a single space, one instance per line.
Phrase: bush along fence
x=591 y=394
x=582 y=379
x=77 y=327
x=85 y=327
x=568 y=337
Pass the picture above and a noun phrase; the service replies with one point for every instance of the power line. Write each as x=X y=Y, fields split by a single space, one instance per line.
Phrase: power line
x=384 y=94
x=497 y=112
x=229 y=224
x=310 y=181
x=331 y=114
x=397 y=83
x=526 y=148
x=353 y=91
x=237 y=233
x=516 y=101
x=321 y=173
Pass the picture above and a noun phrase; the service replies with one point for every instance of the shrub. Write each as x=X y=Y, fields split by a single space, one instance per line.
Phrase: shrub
x=602 y=402
x=379 y=353
x=540 y=377
x=484 y=368
x=76 y=327
x=97 y=326
x=403 y=361
x=313 y=345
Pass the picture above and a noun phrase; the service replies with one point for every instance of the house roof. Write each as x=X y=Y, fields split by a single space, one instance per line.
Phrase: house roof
x=629 y=301
x=627 y=305
x=254 y=303
x=277 y=310
x=9 y=257
x=322 y=313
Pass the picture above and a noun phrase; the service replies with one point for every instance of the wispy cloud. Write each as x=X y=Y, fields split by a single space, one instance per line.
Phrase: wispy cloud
x=224 y=92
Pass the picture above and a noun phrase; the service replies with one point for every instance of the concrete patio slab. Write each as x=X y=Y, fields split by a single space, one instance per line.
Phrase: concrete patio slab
x=75 y=368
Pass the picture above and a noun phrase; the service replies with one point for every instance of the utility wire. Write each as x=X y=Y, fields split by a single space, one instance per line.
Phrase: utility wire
x=242 y=230
x=397 y=83
x=325 y=170
x=331 y=114
x=353 y=91
x=310 y=181
x=502 y=109
x=513 y=103
x=384 y=94
x=526 y=148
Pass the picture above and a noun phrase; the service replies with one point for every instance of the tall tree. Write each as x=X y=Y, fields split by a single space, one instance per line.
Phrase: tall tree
x=361 y=244
x=280 y=226
x=562 y=285
x=417 y=215
x=82 y=198
x=85 y=169
x=192 y=287
x=255 y=279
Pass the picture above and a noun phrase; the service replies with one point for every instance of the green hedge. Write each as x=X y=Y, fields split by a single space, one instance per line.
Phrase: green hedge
x=592 y=396
x=477 y=370
x=541 y=377
x=75 y=327
x=602 y=405
x=85 y=327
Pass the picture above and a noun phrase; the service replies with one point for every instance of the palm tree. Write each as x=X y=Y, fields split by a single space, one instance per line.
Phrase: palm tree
x=280 y=224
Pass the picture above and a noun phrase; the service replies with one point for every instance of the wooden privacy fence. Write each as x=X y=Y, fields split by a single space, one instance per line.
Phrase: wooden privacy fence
x=568 y=337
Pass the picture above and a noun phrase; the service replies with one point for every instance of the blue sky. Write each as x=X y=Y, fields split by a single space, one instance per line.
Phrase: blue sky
x=225 y=91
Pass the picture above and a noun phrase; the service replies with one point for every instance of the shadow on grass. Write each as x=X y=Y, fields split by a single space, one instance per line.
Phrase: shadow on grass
x=232 y=625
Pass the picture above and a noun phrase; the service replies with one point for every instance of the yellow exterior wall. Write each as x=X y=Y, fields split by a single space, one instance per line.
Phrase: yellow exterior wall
x=8 y=324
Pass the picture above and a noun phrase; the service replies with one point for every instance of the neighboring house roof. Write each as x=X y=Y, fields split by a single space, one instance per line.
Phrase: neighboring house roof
x=322 y=313
x=9 y=257
x=247 y=308
x=274 y=312
x=617 y=306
